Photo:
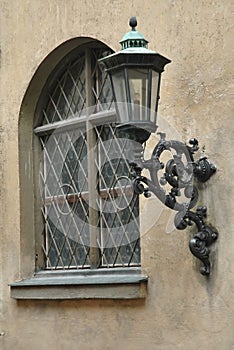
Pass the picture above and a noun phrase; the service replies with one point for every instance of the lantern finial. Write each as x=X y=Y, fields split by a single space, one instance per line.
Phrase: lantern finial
x=133 y=23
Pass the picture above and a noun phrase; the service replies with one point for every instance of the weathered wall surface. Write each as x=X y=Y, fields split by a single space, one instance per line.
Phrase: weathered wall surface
x=183 y=310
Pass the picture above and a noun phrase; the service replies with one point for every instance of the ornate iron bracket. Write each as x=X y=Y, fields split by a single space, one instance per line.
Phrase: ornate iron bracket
x=179 y=173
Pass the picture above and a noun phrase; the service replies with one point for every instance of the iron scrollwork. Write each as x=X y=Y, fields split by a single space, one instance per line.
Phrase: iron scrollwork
x=179 y=173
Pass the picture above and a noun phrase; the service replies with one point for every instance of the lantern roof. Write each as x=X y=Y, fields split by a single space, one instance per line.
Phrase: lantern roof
x=133 y=38
x=134 y=52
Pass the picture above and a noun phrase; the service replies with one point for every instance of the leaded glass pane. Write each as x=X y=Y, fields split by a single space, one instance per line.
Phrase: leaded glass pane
x=67 y=234
x=119 y=235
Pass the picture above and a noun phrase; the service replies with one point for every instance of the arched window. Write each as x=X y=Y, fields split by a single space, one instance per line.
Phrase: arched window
x=89 y=211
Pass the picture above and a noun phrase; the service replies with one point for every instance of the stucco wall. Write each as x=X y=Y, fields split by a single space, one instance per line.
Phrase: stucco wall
x=183 y=310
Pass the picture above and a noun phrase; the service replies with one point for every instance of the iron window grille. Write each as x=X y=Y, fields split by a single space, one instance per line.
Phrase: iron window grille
x=91 y=215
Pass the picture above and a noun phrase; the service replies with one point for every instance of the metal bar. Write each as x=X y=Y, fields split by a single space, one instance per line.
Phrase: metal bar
x=149 y=94
x=128 y=93
x=84 y=196
x=158 y=98
x=143 y=103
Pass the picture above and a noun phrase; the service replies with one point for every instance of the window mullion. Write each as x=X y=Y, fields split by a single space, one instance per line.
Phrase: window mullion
x=91 y=152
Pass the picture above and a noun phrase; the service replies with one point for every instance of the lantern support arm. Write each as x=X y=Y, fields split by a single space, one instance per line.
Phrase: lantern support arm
x=179 y=173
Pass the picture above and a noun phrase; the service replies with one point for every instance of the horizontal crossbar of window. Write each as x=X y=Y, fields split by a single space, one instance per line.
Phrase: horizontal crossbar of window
x=69 y=124
x=84 y=196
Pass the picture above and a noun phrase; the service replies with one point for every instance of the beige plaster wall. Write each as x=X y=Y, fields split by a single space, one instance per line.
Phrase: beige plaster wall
x=183 y=310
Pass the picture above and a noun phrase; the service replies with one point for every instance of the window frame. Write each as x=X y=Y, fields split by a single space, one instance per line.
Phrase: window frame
x=121 y=283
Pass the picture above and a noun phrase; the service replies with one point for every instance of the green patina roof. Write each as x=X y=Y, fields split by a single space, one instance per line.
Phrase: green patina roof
x=133 y=38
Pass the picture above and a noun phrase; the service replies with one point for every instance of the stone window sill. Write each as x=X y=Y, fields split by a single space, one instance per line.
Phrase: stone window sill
x=86 y=284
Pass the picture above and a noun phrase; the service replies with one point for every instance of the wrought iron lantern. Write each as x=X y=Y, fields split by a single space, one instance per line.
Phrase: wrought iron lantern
x=135 y=74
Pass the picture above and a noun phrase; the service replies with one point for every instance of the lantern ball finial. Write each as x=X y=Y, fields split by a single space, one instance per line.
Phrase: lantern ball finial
x=133 y=22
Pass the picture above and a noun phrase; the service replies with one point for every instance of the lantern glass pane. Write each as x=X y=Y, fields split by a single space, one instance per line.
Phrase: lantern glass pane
x=138 y=86
x=154 y=96
x=118 y=81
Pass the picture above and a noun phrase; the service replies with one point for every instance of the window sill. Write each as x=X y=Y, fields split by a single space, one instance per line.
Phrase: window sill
x=86 y=284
